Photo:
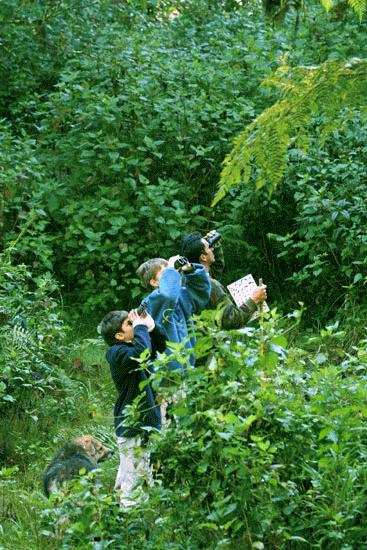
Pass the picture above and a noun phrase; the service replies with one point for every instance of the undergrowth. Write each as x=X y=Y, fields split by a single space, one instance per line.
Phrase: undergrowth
x=265 y=449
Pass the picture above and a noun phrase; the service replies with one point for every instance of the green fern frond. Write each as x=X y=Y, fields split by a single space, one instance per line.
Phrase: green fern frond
x=328 y=4
x=359 y=6
x=21 y=338
x=329 y=90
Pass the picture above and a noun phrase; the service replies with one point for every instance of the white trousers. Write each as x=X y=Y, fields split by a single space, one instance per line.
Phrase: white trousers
x=134 y=467
x=169 y=400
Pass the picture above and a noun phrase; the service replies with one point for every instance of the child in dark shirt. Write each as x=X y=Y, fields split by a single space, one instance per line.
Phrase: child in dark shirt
x=128 y=336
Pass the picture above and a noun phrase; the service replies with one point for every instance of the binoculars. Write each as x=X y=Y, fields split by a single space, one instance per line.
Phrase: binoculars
x=180 y=262
x=213 y=239
x=141 y=311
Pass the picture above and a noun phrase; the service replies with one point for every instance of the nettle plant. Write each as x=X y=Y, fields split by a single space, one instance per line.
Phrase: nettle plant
x=265 y=447
x=31 y=340
x=260 y=436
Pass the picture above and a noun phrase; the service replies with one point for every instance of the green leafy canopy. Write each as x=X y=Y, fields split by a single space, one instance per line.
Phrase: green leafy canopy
x=332 y=90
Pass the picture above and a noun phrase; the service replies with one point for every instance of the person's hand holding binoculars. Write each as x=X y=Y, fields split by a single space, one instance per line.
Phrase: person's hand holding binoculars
x=213 y=238
x=180 y=263
x=140 y=316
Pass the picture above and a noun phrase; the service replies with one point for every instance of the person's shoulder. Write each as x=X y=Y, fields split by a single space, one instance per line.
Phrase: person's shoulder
x=116 y=350
x=198 y=268
x=218 y=290
x=117 y=346
x=197 y=271
x=215 y=282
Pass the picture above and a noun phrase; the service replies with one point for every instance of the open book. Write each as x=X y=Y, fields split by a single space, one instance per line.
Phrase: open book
x=241 y=291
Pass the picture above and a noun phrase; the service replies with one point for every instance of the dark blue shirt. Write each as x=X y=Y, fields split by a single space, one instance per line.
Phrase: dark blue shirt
x=127 y=375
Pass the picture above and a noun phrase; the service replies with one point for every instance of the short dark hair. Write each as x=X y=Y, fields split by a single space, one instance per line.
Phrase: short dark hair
x=110 y=324
x=149 y=269
x=192 y=247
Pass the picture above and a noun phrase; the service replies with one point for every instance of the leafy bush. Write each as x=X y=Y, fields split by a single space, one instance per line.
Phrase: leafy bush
x=326 y=246
x=31 y=339
x=117 y=123
x=130 y=147
x=255 y=447
x=265 y=448
x=121 y=153
x=308 y=244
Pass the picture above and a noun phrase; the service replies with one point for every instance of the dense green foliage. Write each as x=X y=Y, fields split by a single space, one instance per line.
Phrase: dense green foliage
x=115 y=120
x=128 y=149
x=266 y=450
x=313 y=228
x=327 y=243
x=34 y=388
x=118 y=153
x=331 y=89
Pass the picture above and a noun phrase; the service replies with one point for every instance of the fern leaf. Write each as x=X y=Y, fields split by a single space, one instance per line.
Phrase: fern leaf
x=328 y=4
x=330 y=90
x=359 y=6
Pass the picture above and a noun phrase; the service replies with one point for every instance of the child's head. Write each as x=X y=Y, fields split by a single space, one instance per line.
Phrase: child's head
x=150 y=272
x=116 y=327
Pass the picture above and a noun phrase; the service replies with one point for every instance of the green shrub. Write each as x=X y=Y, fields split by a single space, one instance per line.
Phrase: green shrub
x=264 y=449
x=266 y=445
x=33 y=384
x=130 y=148
x=121 y=154
x=325 y=246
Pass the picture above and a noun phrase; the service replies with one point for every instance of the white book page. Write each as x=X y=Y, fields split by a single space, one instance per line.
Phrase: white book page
x=241 y=291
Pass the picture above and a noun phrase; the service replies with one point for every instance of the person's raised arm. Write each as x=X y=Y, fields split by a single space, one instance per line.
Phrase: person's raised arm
x=198 y=286
x=165 y=297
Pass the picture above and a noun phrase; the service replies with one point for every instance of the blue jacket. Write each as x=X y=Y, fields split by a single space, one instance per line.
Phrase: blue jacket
x=127 y=375
x=175 y=301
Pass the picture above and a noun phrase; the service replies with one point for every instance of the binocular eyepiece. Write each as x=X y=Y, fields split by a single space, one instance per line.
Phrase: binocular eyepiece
x=213 y=239
x=180 y=262
x=141 y=310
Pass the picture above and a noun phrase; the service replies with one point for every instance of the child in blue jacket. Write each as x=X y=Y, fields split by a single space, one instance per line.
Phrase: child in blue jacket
x=177 y=295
